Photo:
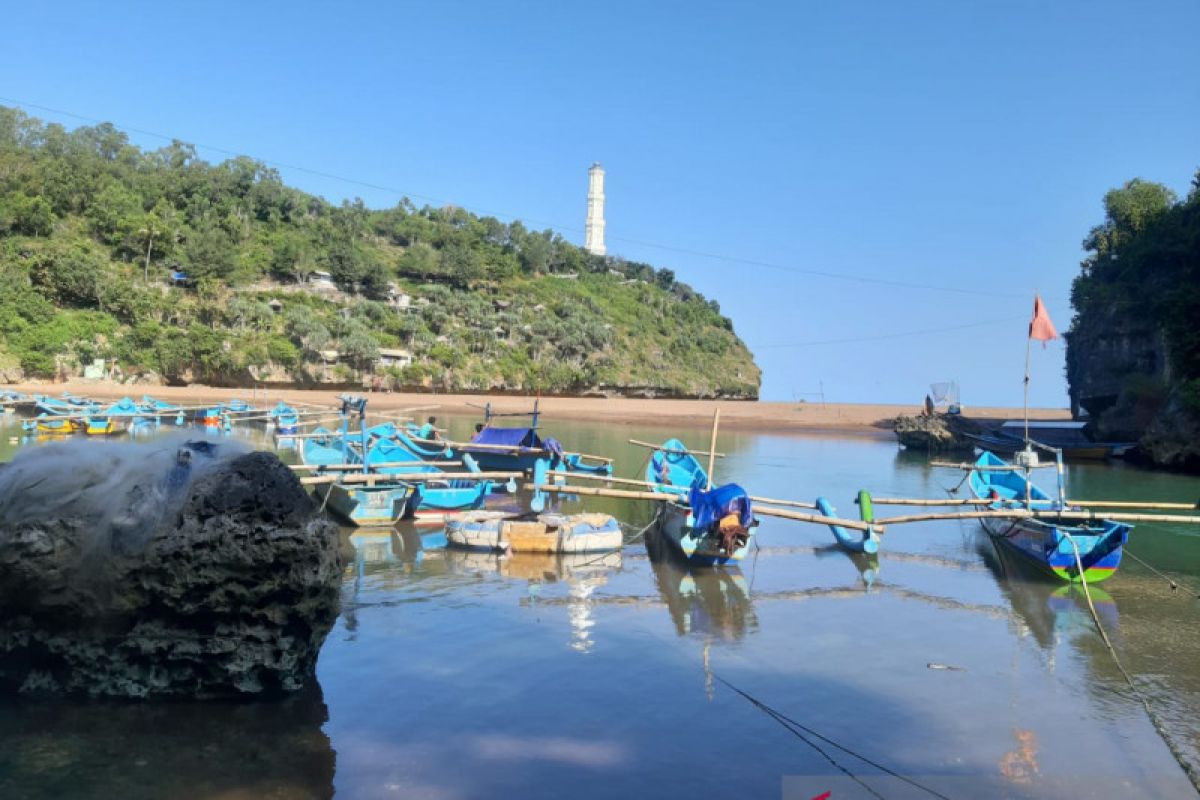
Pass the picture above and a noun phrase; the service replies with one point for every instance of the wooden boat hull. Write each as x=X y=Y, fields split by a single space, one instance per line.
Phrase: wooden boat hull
x=59 y=427
x=674 y=523
x=435 y=502
x=366 y=506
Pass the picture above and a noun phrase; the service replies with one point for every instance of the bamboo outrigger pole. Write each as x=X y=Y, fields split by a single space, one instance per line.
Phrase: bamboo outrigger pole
x=673 y=451
x=1079 y=515
x=916 y=501
x=359 y=467
x=712 y=448
x=631 y=482
x=409 y=477
x=665 y=497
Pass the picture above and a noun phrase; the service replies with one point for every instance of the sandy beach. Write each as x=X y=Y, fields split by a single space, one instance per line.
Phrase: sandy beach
x=870 y=419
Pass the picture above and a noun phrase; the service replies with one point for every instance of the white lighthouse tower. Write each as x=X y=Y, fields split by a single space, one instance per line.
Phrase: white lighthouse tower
x=594 y=237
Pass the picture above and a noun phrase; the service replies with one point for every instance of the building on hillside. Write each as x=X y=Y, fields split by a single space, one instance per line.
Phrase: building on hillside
x=594 y=232
x=321 y=280
x=394 y=358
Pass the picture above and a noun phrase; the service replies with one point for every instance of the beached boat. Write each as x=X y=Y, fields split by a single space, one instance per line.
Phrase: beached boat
x=1048 y=544
x=706 y=527
x=545 y=533
x=1069 y=437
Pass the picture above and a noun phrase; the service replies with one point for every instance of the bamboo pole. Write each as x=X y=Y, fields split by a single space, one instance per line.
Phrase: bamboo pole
x=630 y=482
x=1067 y=516
x=819 y=519
x=663 y=497
x=373 y=478
x=913 y=501
x=712 y=448
x=977 y=468
x=383 y=465
x=673 y=451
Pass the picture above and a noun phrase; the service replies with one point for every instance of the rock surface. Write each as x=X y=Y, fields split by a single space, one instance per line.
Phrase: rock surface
x=936 y=433
x=161 y=569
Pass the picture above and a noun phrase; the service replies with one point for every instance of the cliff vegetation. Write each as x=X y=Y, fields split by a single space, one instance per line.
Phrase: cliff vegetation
x=1133 y=351
x=162 y=265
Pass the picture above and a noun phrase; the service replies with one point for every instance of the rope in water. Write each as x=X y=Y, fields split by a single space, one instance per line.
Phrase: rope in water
x=796 y=728
x=1187 y=768
x=1174 y=584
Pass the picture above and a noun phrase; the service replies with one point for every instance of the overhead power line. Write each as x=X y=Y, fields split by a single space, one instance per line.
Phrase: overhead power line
x=882 y=336
x=725 y=258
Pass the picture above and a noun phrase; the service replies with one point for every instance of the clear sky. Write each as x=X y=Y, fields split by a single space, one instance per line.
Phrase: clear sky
x=837 y=156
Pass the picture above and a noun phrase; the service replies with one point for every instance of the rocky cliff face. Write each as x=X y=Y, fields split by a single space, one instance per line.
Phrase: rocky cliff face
x=1119 y=372
x=179 y=569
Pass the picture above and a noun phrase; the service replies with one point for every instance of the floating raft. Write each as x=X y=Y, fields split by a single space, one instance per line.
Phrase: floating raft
x=547 y=533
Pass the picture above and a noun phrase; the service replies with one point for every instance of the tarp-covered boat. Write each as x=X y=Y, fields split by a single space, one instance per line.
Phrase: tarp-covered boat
x=707 y=527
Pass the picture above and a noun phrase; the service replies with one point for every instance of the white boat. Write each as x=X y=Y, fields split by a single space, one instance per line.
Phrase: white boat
x=546 y=533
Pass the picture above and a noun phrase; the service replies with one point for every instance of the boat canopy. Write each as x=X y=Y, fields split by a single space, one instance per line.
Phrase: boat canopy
x=712 y=506
x=517 y=437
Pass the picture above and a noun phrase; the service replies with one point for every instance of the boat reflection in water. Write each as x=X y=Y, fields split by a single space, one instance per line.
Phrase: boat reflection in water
x=581 y=573
x=709 y=602
x=1050 y=611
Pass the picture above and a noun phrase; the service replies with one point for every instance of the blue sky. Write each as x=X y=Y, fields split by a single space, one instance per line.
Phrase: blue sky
x=838 y=156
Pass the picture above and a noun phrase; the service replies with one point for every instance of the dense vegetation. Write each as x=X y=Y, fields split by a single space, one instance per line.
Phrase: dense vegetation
x=92 y=229
x=1143 y=263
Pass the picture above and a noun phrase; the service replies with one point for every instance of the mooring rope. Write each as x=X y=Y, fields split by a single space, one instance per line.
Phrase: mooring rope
x=1154 y=720
x=1173 y=583
x=796 y=728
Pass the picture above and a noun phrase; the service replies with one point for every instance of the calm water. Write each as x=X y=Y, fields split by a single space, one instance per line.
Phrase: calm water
x=453 y=675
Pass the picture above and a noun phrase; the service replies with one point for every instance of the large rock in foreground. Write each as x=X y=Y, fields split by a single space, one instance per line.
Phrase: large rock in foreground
x=167 y=568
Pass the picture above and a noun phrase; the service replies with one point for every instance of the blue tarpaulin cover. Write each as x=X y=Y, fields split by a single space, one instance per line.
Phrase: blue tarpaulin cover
x=513 y=437
x=709 y=507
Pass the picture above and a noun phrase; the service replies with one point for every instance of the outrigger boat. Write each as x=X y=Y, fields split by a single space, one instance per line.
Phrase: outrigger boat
x=286 y=419
x=519 y=448
x=1050 y=544
x=706 y=527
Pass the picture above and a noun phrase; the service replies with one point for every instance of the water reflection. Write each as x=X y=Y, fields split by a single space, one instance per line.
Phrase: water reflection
x=1050 y=611
x=167 y=749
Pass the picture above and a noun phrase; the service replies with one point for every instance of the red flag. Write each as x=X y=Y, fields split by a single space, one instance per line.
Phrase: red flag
x=1040 y=327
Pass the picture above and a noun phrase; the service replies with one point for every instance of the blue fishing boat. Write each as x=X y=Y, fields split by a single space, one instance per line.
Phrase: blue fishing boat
x=517 y=449
x=706 y=527
x=286 y=419
x=437 y=497
x=1048 y=543
x=365 y=499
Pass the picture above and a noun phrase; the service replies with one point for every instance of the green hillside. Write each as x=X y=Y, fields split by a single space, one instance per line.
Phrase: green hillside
x=92 y=230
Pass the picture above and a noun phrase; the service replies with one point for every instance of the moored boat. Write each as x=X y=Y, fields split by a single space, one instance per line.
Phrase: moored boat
x=706 y=527
x=1049 y=544
x=545 y=533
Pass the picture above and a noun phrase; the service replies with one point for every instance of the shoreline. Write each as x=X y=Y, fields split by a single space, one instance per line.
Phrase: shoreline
x=863 y=419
